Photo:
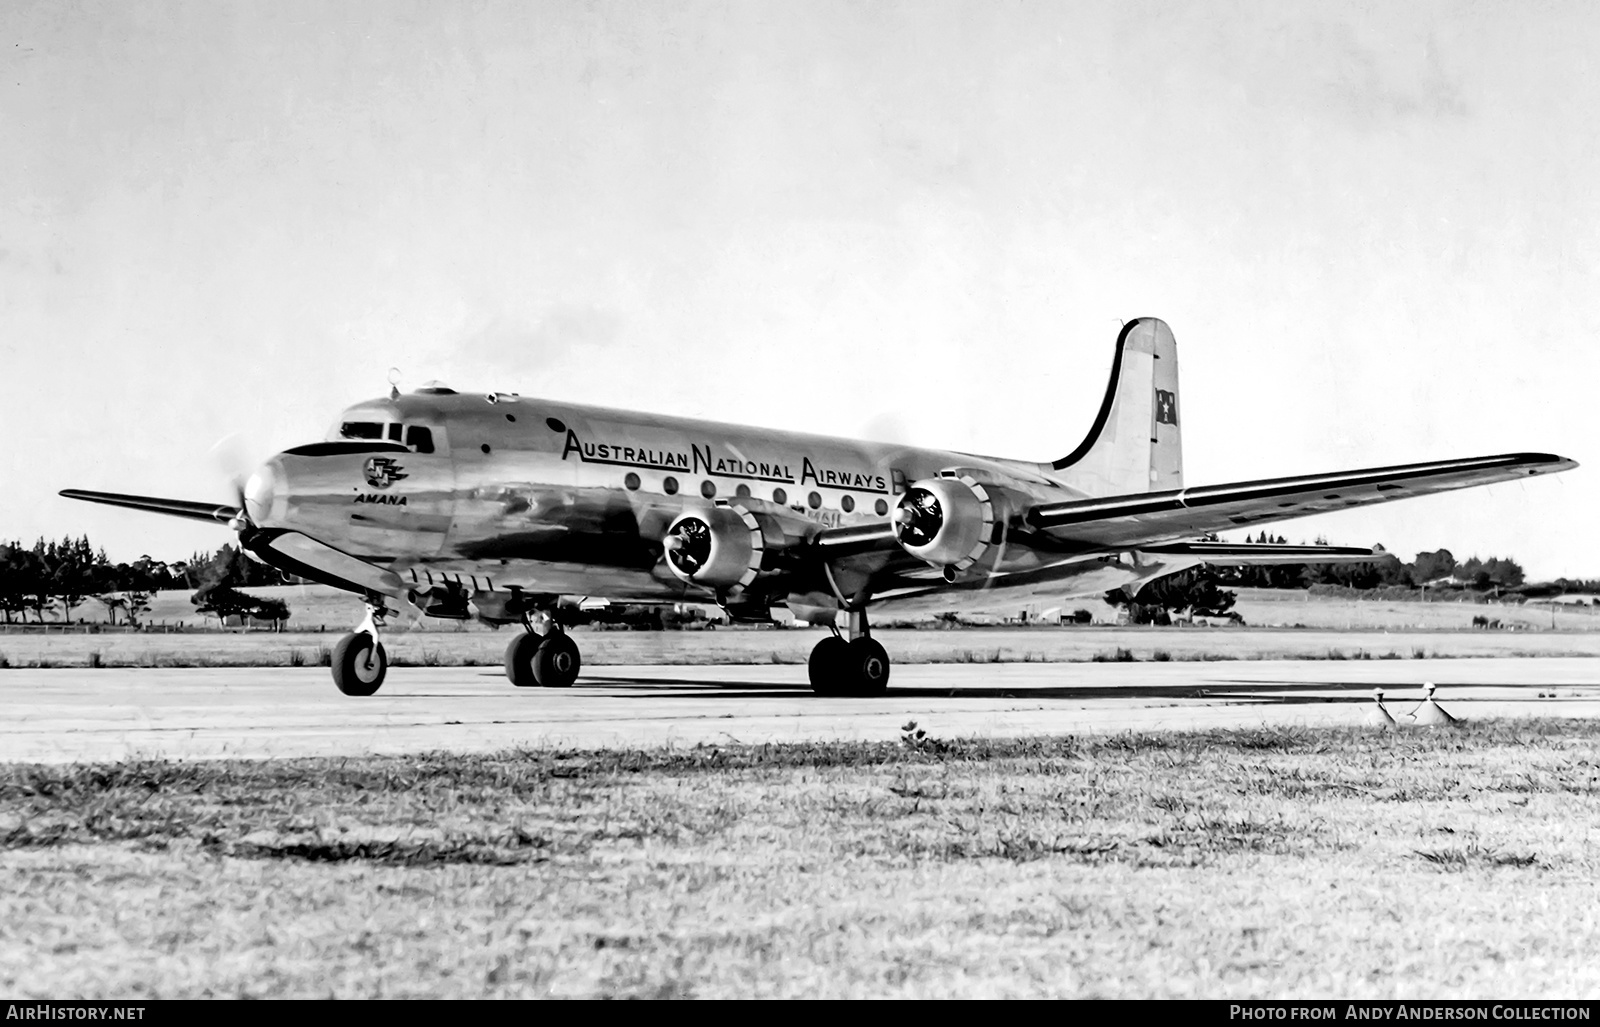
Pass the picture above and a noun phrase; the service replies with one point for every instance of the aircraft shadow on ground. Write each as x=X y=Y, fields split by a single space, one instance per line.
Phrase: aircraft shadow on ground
x=1278 y=693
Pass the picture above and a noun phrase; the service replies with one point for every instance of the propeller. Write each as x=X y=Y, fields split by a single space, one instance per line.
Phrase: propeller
x=688 y=545
x=918 y=518
x=231 y=458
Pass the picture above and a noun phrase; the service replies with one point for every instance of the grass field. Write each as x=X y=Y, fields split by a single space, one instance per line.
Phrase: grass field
x=1226 y=864
x=1282 y=625
x=318 y=607
x=793 y=646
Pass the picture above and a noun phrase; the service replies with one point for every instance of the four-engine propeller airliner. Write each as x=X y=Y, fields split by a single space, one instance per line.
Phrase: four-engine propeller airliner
x=509 y=506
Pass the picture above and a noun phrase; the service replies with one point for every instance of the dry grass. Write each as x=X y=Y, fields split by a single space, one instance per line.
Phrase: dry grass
x=1265 y=607
x=1255 y=863
x=1285 y=624
x=319 y=607
x=747 y=646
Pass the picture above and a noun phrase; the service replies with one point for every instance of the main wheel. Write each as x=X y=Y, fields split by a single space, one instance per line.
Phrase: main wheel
x=865 y=667
x=826 y=666
x=519 y=659
x=359 y=664
x=556 y=662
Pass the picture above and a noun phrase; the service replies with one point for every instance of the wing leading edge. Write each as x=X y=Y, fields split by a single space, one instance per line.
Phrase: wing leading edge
x=1156 y=517
x=215 y=512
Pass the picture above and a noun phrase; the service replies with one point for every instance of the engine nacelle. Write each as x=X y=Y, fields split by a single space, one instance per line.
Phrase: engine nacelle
x=947 y=521
x=719 y=548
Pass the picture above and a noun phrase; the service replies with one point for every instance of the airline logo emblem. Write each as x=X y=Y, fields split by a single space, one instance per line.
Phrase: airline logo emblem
x=1166 y=407
x=382 y=471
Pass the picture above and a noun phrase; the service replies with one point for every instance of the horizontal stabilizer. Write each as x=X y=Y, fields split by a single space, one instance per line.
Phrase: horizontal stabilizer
x=1233 y=554
x=218 y=513
x=1144 y=519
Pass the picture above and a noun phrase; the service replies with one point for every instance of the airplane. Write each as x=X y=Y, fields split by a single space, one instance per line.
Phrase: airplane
x=515 y=508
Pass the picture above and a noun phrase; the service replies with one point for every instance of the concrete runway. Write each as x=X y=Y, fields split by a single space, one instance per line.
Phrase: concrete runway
x=111 y=714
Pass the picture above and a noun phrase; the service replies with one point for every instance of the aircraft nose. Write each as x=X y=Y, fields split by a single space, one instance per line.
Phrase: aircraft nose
x=264 y=495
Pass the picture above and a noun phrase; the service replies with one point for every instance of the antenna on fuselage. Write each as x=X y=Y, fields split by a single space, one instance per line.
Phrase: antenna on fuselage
x=394 y=383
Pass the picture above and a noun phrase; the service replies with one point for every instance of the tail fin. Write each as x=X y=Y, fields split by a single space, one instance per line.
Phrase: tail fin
x=1135 y=444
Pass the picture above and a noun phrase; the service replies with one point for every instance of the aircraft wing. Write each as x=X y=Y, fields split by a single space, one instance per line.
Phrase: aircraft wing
x=1149 y=519
x=1230 y=554
x=218 y=513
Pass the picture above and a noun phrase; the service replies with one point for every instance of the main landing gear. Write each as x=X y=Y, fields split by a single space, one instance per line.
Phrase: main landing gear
x=544 y=655
x=546 y=658
x=359 y=662
x=857 y=667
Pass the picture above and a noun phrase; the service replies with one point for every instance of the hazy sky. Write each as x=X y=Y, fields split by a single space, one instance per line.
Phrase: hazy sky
x=1372 y=227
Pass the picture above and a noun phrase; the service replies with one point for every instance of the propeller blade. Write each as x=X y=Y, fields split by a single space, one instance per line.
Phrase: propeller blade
x=231 y=457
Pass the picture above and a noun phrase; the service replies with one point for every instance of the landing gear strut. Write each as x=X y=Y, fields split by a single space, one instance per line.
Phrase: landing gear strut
x=545 y=658
x=359 y=662
x=857 y=667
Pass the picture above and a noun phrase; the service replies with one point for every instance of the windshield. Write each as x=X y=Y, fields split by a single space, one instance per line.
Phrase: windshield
x=361 y=430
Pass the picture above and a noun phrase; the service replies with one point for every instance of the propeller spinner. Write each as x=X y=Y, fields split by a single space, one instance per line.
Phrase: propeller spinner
x=230 y=458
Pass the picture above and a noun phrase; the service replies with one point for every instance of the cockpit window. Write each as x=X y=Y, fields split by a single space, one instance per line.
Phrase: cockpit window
x=361 y=430
x=394 y=433
x=419 y=439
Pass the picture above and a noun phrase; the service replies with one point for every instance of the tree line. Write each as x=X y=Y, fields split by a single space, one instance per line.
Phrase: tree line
x=1201 y=591
x=1439 y=567
x=52 y=576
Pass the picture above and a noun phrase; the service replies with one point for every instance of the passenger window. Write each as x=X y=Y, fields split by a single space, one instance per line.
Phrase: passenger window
x=420 y=439
x=361 y=430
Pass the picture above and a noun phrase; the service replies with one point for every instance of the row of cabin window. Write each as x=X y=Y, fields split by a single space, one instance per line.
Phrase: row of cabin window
x=420 y=440
x=415 y=436
x=708 y=489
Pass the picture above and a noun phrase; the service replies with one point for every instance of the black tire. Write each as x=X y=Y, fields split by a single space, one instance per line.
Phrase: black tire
x=556 y=662
x=866 y=667
x=519 y=660
x=359 y=664
x=826 y=666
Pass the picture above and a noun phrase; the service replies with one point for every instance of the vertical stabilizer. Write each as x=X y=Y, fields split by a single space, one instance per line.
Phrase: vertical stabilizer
x=1135 y=444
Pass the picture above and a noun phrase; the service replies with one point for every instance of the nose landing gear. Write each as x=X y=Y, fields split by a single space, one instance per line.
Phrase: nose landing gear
x=859 y=667
x=546 y=659
x=359 y=661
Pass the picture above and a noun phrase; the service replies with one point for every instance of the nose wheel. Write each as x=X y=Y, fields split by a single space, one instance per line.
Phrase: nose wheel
x=550 y=660
x=359 y=661
x=858 y=667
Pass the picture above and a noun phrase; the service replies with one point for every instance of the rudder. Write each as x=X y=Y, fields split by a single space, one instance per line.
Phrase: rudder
x=1135 y=444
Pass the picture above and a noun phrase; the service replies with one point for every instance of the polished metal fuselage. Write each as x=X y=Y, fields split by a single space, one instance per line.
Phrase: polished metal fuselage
x=561 y=499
